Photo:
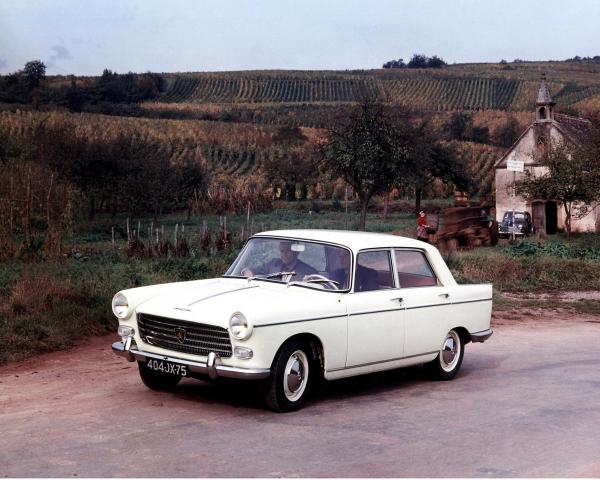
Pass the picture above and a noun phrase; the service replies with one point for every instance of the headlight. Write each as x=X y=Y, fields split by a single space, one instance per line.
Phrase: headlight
x=120 y=306
x=239 y=327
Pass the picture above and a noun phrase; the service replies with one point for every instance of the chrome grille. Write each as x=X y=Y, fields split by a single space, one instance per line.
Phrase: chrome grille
x=200 y=339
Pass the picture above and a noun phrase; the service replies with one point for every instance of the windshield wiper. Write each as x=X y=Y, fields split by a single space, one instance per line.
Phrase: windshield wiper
x=316 y=280
x=272 y=275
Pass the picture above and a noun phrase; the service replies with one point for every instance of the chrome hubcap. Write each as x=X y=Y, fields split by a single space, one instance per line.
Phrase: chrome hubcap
x=450 y=352
x=295 y=375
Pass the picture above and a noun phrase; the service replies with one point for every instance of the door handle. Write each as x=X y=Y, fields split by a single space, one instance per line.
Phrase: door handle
x=397 y=299
x=444 y=295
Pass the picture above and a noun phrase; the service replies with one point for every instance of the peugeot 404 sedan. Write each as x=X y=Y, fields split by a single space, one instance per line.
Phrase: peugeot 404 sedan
x=299 y=306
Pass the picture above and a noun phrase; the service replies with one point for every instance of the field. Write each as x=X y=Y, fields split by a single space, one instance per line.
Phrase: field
x=456 y=87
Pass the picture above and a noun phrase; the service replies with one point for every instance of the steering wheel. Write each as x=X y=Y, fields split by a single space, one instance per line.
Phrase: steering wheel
x=317 y=277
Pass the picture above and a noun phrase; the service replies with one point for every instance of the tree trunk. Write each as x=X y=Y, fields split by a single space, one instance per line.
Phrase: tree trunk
x=418 y=193
x=92 y=207
x=362 y=219
x=52 y=248
x=27 y=213
x=386 y=204
x=290 y=192
x=363 y=199
x=567 y=207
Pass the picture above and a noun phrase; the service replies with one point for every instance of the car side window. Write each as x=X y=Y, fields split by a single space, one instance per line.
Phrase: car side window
x=373 y=271
x=414 y=269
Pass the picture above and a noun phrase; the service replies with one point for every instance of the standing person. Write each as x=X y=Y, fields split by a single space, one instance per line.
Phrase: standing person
x=422 y=227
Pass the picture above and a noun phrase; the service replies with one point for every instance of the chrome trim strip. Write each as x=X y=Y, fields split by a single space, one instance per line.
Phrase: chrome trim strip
x=473 y=301
x=383 y=361
x=370 y=312
x=432 y=305
x=376 y=311
x=301 y=320
x=481 y=336
x=209 y=368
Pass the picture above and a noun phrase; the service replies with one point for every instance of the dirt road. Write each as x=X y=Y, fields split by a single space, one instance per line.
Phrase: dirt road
x=527 y=403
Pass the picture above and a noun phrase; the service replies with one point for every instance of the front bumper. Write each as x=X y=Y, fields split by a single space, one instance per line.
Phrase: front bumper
x=481 y=336
x=211 y=367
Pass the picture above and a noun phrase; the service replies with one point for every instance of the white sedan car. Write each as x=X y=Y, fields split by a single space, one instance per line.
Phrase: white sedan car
x=300 y=305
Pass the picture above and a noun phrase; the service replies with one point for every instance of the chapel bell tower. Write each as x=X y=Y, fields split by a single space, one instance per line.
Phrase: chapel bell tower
x=544 y=106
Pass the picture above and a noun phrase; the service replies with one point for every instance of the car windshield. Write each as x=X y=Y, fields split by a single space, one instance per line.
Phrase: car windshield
x=313 y=264
x=518 y=216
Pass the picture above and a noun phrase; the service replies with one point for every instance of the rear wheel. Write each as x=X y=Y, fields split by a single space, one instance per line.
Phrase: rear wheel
x=447 y=364
x=157 y=380
x=292 y=377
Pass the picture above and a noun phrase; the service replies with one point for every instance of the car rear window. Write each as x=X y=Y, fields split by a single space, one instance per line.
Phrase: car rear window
x=414 y=269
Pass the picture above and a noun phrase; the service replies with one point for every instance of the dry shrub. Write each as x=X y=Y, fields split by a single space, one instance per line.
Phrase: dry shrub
x=234 y=195
x=35 y=293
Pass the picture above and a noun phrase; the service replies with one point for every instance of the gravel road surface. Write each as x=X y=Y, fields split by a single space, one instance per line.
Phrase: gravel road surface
x=526 y=403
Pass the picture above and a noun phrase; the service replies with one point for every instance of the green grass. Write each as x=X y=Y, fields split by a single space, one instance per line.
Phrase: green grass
x=526 y=272
x=51 y=306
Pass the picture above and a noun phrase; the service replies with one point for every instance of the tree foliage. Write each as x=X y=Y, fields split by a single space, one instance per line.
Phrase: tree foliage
x=430 y=160
x=507 y=134
x=34 y=72
x=27 y=86
x=367 y=148
x=418 y=60
x=460 y=127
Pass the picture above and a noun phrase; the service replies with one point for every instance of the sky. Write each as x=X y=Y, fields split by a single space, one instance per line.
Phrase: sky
x=83 y=37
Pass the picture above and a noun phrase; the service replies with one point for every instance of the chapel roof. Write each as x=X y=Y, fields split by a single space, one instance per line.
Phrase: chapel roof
x=543 y=96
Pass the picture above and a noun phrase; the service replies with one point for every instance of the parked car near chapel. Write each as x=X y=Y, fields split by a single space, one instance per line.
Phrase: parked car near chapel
x=522 y=224
x=300 y=305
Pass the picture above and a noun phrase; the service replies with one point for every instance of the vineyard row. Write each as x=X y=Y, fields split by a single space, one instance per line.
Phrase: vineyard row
x=430 y=93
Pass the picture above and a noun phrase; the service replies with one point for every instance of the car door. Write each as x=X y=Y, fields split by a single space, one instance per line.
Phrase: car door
x=375 y=312
x=426 y=301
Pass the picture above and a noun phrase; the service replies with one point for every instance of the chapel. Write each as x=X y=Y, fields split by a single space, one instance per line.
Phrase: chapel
x=548 y=215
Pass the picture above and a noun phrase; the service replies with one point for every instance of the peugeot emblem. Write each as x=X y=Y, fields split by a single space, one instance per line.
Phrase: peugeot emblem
x=180 y=334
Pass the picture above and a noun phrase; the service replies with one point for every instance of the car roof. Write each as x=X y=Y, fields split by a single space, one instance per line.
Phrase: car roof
x=517 y=212
x=351 y=239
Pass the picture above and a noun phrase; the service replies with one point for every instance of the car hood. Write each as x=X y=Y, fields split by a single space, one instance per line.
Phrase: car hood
x=215 y=301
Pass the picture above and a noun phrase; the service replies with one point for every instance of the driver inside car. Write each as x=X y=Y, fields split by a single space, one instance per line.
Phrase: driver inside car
x=288 y=262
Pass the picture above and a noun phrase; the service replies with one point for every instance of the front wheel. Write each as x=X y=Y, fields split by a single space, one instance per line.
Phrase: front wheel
x=447 y=364
x=292 y=377
x=157 y=380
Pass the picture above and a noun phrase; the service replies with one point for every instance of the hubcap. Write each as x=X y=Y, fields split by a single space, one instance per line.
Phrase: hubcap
x=295 y=375
x=450 y=352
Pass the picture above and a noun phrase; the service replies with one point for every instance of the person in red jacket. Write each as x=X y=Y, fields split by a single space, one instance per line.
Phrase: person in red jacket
x=422 y=227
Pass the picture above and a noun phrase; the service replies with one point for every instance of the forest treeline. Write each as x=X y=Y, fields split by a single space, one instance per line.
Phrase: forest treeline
x=28 y=86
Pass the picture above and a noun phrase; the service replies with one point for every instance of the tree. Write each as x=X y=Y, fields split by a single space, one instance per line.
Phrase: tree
x=505 y=135
x=418 y=61
x=435 y=62
x=395 y=64
x=34 y=72
x=365 y=147
x=460 y=127
x=430 y=160
x=572 y=178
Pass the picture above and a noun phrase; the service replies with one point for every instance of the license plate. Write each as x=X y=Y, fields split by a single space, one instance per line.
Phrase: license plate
x=166 y=367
